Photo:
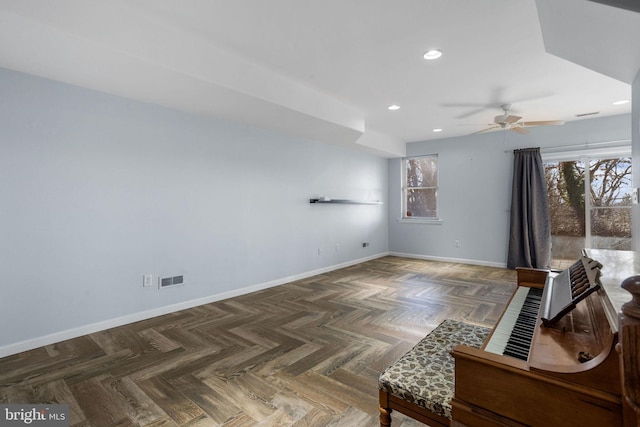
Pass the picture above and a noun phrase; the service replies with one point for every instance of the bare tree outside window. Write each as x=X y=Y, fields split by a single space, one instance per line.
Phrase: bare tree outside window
x=611 y=199
x=421 y=187
x=603 y=219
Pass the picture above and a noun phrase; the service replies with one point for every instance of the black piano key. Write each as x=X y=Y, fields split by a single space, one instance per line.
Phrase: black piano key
x=516 y=354
x=522 y=344
x=522 y=332
x=518 y=346
x=514 y=345
x=518 y=343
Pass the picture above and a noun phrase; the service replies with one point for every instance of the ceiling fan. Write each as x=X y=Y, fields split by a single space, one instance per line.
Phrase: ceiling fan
x=513 y=123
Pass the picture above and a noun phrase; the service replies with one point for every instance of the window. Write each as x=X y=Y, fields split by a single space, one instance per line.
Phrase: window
x=589 y=204
x=420 y=190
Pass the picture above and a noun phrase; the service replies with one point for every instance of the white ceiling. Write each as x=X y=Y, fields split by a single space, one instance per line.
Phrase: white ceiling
x=328 y=69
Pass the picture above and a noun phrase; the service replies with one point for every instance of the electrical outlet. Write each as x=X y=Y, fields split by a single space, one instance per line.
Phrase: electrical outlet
x=457 y=243
x=337 y=247
x=320 y=251
x=147 y=280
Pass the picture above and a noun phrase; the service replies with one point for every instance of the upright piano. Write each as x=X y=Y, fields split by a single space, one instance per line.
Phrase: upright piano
x=551 y=359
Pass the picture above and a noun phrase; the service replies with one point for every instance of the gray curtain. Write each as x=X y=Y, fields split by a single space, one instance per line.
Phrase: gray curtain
x=530 y=230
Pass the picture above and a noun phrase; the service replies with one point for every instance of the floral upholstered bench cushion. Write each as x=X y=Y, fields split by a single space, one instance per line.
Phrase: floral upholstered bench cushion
x=424 y=375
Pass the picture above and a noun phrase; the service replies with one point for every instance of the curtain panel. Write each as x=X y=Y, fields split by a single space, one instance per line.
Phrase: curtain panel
x=530 y=228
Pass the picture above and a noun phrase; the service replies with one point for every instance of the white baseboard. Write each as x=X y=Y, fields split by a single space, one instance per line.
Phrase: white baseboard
x=30 y=344
x=456 y=260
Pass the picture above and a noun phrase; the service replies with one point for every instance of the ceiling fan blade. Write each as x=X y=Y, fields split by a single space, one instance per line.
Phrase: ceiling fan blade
x=485 y=130
x=511 y=119
x=518 y=129
x=544 y=123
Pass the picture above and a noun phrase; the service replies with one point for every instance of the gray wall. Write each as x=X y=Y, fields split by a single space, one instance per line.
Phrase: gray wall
x=96 y=191
x=474 y=192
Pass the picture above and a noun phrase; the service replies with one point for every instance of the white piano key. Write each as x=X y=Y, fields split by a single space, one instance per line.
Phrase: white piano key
x=503 y=329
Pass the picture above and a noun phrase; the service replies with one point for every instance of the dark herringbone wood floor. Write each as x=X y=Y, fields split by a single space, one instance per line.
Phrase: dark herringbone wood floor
x=307 y=353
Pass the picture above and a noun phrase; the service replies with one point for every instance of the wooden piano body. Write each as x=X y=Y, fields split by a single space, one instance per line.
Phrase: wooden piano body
x=571 y=377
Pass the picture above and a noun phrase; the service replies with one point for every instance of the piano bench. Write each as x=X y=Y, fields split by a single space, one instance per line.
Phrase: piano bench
x=420 y=384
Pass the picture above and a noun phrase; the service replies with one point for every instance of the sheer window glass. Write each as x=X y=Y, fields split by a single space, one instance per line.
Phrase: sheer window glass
x=420 y=190
x=590 y=205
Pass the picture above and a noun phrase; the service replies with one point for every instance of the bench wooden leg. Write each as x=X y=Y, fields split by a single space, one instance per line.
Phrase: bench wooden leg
x=385 y=410
x=385 y=416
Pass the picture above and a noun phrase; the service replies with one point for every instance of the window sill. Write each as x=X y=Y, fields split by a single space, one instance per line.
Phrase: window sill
x=435 y=221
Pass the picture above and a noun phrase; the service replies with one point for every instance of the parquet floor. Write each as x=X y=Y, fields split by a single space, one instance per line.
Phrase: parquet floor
x=307 y=353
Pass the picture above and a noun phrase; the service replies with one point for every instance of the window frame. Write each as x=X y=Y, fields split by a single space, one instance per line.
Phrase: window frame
x=405 y=190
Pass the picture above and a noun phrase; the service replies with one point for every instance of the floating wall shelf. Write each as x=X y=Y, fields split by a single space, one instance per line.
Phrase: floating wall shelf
x=344 y=201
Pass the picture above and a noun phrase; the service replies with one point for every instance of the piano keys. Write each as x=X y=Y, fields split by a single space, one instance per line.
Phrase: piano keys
x=513 y=334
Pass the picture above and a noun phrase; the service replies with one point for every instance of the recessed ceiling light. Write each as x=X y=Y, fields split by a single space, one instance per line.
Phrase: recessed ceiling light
x=621 y=102
x=393 y=107
x=432 y=54
x=437 y=130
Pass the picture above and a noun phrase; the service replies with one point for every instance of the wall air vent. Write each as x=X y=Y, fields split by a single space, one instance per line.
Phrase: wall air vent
x=167 y=282
x=588 y=114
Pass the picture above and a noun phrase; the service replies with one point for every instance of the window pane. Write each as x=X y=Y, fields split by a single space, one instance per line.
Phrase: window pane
x=422 y=172
x=611 y=182
x=611 y=203
x=608 y=224
x=611 y=228
x=422 y=202
x=565 y=185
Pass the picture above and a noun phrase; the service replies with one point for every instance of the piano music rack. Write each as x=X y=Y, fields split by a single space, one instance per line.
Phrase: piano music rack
x=563 y=291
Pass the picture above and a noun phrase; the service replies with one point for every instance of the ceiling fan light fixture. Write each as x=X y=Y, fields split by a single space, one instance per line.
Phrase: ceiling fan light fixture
x=432 y=54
